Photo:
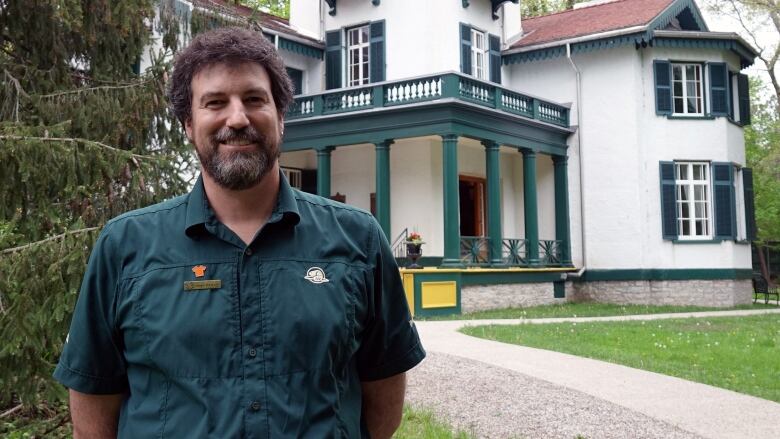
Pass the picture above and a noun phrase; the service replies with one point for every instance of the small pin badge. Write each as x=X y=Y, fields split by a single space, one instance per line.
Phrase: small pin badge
x=316 y=275
x=199 y=270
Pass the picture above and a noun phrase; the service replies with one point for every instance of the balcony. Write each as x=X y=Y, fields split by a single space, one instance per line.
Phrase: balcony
x=444 y=86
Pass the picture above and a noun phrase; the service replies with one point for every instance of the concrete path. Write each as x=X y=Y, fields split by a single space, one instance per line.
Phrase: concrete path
x=704 y=410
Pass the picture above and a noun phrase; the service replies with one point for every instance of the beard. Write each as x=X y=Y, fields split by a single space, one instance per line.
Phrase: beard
x=238 y=170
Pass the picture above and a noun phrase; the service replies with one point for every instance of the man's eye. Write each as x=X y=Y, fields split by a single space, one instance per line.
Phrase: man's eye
x=255 y=100
x=214 y=103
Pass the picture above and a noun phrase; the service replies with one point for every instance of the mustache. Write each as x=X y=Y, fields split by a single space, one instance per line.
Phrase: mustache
x=246 y=134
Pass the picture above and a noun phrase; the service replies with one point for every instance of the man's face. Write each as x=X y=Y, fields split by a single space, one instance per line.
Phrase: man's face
x=234 y=125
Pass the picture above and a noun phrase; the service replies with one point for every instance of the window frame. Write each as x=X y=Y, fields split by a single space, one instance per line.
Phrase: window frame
x=480 y=54
x=363 y=49
x=691 y=202
x=701 y=68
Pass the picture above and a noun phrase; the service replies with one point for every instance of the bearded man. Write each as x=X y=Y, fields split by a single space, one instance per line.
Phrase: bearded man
x=244 y=308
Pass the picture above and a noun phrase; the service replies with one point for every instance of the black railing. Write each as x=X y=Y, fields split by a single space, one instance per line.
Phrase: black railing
x=474 y=250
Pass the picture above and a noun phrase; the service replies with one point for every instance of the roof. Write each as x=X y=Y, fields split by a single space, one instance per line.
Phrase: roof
x=590 y=20
x=268 y=22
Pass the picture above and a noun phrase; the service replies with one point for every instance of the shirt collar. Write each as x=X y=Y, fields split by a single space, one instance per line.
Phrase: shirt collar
x=199 y=212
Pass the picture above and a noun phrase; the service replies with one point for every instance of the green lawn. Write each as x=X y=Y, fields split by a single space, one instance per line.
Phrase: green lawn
x=737 y=353
x=421 y=424
x=587 y=309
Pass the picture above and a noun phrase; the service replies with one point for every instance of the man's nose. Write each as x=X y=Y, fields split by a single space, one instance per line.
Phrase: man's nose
x=237 y=118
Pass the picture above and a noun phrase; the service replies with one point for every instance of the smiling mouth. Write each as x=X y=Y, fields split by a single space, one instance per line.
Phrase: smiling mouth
x=238 y=143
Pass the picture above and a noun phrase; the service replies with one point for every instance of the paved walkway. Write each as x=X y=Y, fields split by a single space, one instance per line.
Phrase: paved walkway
x=700 y=409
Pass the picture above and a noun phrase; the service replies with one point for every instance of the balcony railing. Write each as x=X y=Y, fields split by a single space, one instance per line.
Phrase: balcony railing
x=550 y=252
x=424 y=89
x=514 y=252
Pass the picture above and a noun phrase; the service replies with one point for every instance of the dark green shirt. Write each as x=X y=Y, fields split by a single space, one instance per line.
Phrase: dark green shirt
x=214 y=338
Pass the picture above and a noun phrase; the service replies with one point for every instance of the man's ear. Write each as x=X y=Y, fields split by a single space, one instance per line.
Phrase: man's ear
x=188 y=128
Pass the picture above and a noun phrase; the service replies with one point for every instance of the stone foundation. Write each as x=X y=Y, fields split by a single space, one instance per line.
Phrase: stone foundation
x=485 y=297
x=716 y=293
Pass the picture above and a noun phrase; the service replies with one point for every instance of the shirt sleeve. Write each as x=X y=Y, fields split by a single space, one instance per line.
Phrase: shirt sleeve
x=92 y=360
x=390 y=344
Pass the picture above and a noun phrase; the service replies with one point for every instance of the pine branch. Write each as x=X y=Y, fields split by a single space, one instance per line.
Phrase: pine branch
x=101 y=87
x=85 y=141
x=51 y=238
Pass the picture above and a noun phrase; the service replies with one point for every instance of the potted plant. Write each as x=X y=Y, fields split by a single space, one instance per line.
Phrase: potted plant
x=414 y=244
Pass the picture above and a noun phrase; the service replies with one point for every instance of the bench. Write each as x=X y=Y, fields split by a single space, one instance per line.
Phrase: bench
x=761 y=286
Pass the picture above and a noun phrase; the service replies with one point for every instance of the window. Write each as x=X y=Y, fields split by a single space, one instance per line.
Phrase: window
x=357 y=56
x=692 y=186
x=478 y=54
x=699 y=201
x=687 y=89
x=294 y=177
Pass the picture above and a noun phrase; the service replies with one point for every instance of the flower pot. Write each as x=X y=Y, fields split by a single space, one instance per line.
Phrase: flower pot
x=413 y=252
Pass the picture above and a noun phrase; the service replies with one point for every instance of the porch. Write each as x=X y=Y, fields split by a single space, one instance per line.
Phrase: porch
x=430 y=121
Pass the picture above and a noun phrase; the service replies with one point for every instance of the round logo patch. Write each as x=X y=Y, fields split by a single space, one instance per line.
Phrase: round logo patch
x=316 y=275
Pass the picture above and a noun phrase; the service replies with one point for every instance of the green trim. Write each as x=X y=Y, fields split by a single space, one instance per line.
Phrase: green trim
x=699 y=241
x=559 y=290
x=677 y=8
x=530 y=206
x=424 y=119
x=658 y=274
x=382 y=150
x=704 y=117
x=449 y=149
x=424 y=261
x=323 y=171
x=419 y=278
x=493 y=172
x=562 y=220
x=301 y=49
x=494 y=278
x=746 y=56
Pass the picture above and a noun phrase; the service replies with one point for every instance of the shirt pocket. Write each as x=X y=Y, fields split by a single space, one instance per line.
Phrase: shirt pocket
x=311 y=315
x=187 y=320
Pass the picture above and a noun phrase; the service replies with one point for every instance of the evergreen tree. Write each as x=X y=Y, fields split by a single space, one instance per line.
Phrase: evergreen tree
x=83 y=138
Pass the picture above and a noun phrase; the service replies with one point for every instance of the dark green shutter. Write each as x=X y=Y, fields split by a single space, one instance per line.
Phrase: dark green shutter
x=723 y=200
x=333 y=59
x=743 y=91
x=663 y=87
x=668 y=201
x=719 y=89
x=495 y=58
x=377 y=41
x=750 y=207
x=732 y=104
x=465 y=48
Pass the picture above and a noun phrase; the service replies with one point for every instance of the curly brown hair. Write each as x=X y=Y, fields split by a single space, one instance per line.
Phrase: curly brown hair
x=229 y=45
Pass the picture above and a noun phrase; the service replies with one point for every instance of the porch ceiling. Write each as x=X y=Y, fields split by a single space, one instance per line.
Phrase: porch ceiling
x=431 y=118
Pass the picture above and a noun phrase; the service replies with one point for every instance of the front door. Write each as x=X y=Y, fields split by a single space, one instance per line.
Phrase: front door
x=472 y=206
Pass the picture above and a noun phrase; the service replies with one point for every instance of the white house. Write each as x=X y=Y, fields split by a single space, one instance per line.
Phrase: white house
x=594 y=153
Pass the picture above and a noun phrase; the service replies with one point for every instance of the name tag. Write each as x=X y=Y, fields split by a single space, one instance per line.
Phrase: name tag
x=202 y=285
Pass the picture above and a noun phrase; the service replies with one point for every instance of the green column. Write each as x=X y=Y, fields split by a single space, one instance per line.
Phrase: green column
x=493 y=171
x=560 y=168
x=323 y=171
x=531 y=209
x=383 y=185
x=451 y=207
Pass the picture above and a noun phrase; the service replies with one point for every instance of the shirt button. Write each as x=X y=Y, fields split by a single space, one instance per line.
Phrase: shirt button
x=249 y=252
x=255 y=406
x=252 y=352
